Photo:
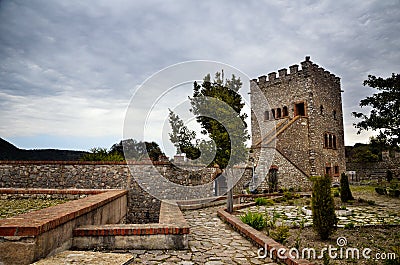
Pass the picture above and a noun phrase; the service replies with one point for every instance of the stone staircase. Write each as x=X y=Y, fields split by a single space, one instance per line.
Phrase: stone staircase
x=279 y=129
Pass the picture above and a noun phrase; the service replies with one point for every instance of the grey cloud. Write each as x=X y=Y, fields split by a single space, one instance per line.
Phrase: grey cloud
x=98 y=52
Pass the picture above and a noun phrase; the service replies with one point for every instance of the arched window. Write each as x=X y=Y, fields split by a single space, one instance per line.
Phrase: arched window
x=334 y=141
x=325 y=140
x=273 y=114
x=273 y=179
x=278 y=113
x=285 y=112
x=266 y=115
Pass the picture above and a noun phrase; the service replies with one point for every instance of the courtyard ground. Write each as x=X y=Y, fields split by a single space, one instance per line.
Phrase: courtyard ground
x=211 y=242
x=374 y=224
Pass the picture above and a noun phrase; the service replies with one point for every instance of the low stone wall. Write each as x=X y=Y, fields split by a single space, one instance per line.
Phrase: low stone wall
x=374 y=170
x=171 y=232
x=142 y=207
x=41 y=233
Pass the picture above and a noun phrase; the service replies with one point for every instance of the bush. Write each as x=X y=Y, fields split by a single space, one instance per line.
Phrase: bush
x=336 y=193
x=389 y=175
x=369 y=202
x=254 y=219
x=280 y=234
x=380 y=190
x=288 y=195
x=349 y=226
x=323 y=207
x=345 y=192
x=263 y=201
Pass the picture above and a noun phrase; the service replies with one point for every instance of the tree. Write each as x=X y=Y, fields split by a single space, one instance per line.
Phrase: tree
x=217 y=106
x=182 y=137
x=362 y=153
x=137 y=149
x=385 y=112
x=345 y=192
x=101 y=154
x=323 y=207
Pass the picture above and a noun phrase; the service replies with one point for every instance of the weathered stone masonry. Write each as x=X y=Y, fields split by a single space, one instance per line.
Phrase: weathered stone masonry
x=306 y=106
x=142 y=207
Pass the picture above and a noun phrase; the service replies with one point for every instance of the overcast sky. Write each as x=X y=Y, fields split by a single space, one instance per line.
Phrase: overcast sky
x=68 y=69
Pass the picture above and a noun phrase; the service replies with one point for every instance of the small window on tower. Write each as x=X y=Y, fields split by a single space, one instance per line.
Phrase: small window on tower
x=334 y=141
x=266 y=115
x=336 y=170
x=278 y=113
x=321 y=110
x=300 y=109
x=334 y=115
x=285 y=112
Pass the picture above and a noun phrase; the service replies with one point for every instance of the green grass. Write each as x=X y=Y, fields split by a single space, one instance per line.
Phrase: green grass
x=12 y=207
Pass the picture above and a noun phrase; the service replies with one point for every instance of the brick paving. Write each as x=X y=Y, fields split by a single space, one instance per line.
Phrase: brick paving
x=211 y=242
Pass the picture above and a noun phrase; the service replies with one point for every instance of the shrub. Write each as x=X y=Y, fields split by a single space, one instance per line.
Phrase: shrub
x=288 y=195
x=323 y=207
x=336 y=193
x=389 y=175
x=369 y=202
x=380 y=190
x=263 y=201
x=254 y=219
x=349 y=225
x=280 y=234
x=345 y=192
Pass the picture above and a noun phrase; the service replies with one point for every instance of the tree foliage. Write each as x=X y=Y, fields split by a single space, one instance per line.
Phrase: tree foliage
x=220 y=119
x=101 y=154
x=323 y=207
x=183 y=138
x=385 y=113
x=223 y=123
x=137 y=149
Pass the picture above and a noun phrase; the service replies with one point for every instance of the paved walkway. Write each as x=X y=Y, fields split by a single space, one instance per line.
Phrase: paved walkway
x=211 y=242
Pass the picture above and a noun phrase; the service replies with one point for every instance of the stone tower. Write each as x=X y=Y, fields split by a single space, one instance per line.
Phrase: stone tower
x=305 y=113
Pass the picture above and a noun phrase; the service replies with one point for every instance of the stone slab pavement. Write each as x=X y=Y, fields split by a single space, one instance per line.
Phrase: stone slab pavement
x=211 y=242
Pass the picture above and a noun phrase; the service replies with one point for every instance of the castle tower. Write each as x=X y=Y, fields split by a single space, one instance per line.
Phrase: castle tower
x=306 y=107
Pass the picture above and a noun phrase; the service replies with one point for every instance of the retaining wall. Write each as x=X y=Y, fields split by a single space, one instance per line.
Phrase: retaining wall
x=28 y=237
x=171 y=232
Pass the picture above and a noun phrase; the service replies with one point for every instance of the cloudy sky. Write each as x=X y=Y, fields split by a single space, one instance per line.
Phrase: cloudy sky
x=68 y=69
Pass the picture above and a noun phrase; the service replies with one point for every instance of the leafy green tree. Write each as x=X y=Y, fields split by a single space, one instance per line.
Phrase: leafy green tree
x=217 y=106
x=101 y=154
x=345 y=192
x=362 y=153
x=226 y=130
x=137 y=149
x=323 y=207
x=182 y=137
x=385 y=113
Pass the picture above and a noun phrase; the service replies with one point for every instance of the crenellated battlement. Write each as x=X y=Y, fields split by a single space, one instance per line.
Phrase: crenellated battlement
x=308 y=68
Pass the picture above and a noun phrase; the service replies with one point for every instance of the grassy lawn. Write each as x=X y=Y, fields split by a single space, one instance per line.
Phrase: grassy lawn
x=12 y=207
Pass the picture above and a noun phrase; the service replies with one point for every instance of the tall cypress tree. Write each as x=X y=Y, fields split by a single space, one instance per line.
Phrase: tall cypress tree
x=323 y=207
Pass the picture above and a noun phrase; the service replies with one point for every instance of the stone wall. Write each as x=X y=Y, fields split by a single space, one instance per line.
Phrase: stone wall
x=374 y=170
x=289 y=176
x=142 y=207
